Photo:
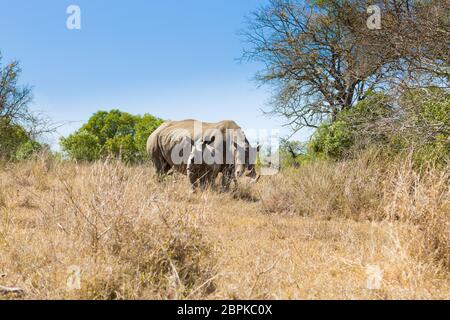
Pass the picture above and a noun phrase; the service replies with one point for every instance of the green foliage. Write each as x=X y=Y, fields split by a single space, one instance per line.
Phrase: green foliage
x=331 y=140
x=419 y=122
x=123 y=146
x=368 y=111
x=12 y=136
x=144 y=128
x=429 y=106
x=291 y=153
x=18 y=125
x=26 y=150
x=15 y=143
x=427 y=112
x=354 y=128
x=113 y=133
x=82 y=146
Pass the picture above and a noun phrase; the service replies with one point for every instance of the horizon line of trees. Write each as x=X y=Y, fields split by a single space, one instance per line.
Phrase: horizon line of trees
x=357 y=87
x=114 y=133
x=111 y=134
x=422 y=123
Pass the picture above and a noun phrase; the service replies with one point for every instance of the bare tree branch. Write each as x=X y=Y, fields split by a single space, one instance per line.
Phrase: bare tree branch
x=322 y=59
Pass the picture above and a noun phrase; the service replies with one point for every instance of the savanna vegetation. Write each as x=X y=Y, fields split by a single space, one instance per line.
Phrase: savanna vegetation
x=114 y=133
x=366 y=198
x=314 y=232
x=19 y=127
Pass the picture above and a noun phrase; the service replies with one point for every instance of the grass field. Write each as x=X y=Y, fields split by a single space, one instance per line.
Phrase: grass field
x=361 y=229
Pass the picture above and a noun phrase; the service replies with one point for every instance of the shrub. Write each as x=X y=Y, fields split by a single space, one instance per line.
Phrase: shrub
x=418 y=121
x=82 y=146
x=26 y=150
x=115 y=133
x=353 y=130
x=426 y=125
x=331 y=141
x=15 y=143
x=143 y=129
x=290 y=153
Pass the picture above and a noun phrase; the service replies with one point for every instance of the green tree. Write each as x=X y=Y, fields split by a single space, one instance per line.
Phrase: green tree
x=291 y=153
x=143 y=129
x=114 y=133
x=419 y=121
x=19 y=127
x=82 y=146
x=354 y=129
x=331 y=140
x=11 y=137
x=26 y=150
x=425 y=124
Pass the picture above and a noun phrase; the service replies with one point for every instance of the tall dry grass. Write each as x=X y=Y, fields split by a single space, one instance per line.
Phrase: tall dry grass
x=130 y=237
x=370 y=187
x=307 y=233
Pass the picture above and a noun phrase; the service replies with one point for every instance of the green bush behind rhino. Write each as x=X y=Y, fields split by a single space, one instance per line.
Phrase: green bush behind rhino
x=114 y=133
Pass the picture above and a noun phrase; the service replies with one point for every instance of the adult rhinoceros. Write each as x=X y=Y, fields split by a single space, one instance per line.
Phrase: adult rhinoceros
x=203 y=150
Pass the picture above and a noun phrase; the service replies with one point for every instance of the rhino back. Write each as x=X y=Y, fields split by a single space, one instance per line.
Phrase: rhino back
x=179 y=134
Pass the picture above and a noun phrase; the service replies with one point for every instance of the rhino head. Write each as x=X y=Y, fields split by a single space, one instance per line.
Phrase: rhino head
x=209 y=150
x=245 y=160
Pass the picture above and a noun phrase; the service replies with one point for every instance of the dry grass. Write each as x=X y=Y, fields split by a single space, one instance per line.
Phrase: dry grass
x=370 y=188
x=311 y=233
x=130 y=237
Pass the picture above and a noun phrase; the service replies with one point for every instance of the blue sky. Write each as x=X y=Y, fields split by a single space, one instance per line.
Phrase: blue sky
x=172 y=59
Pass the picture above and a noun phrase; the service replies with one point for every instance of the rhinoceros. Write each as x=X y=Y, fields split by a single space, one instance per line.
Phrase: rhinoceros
x=202 y=150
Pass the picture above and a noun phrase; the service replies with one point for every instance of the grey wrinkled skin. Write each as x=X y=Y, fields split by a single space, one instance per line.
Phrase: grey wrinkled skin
x=172 y=136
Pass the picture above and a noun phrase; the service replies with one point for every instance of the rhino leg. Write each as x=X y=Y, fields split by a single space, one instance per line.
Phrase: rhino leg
x=199 y=178
x=200 y=175
x=193 y=179
x=208 y=178
x=226 y=182
x=162 y=168
x=192 y=171
x=228 y=177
